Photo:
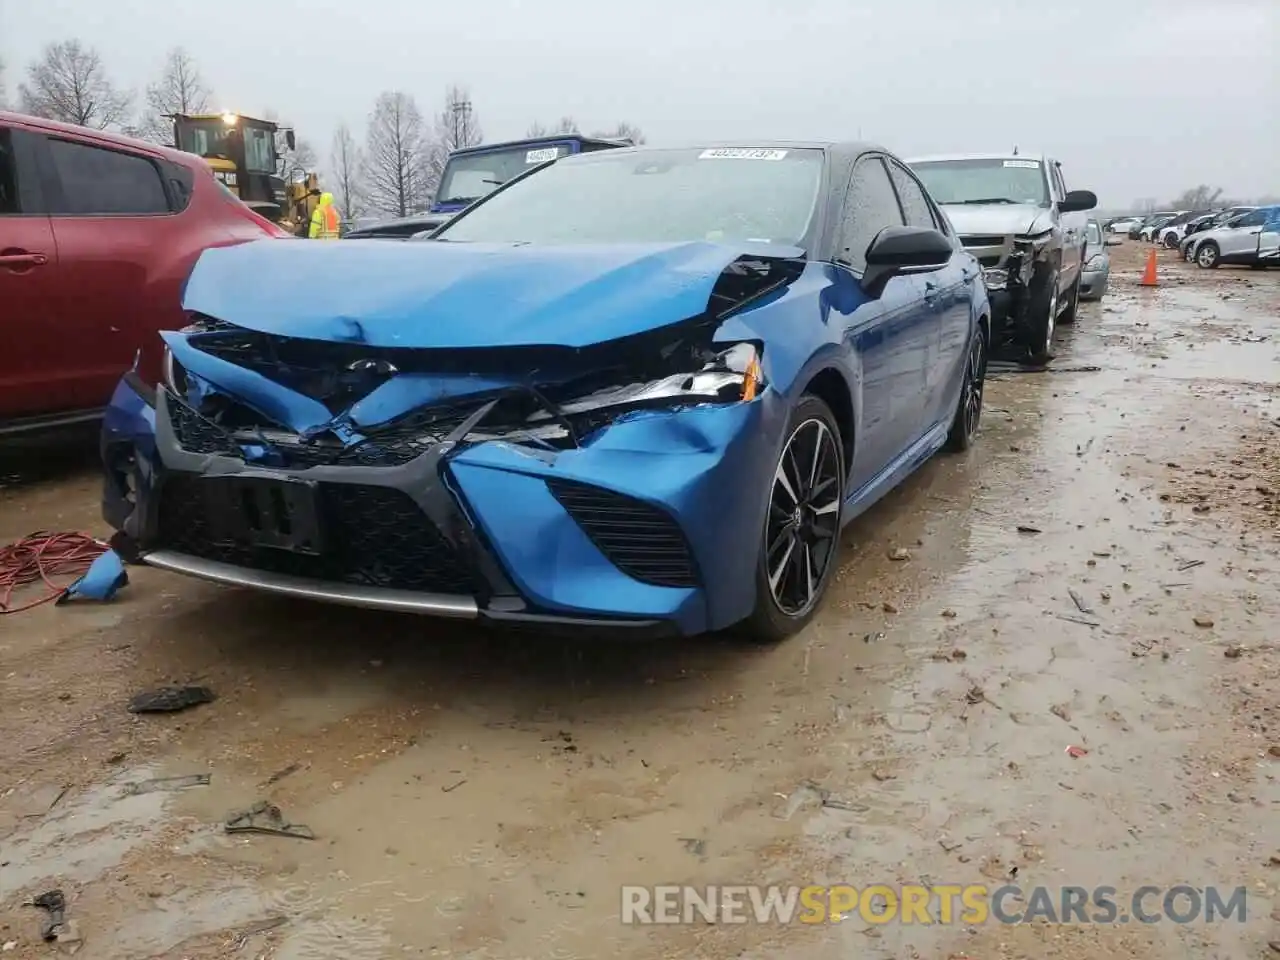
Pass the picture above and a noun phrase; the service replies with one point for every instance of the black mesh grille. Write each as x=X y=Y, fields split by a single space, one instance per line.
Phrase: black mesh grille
x=391 y=445
x=974 y=240
x=197 y=434
x=375 y=536
x=639 y=539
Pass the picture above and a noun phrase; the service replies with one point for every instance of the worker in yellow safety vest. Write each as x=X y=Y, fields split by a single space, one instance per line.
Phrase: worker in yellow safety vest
x=325 y=222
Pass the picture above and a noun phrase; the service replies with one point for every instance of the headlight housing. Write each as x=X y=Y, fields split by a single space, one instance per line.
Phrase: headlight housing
x=733 y=376
x=997 y=278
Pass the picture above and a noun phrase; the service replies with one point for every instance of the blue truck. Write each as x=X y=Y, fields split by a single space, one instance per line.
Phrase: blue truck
x=474 y=172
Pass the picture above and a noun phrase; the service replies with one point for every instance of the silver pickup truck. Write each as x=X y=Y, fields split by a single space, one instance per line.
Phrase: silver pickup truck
x=1015 y=214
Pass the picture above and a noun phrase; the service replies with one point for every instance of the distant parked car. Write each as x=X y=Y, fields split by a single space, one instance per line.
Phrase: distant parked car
x=1253 y=239
x=1149 y=231
x=1174 y=230
x=1097 y=263
x=98 y=233
x=1123 y=224
x=1146 y=221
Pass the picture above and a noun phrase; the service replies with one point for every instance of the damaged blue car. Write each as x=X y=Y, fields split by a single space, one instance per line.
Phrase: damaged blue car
x=638 y=390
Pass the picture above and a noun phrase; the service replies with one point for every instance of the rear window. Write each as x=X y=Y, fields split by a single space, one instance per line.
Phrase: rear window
x=97 y=181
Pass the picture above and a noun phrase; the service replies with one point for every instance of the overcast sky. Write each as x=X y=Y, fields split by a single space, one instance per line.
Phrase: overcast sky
x=1138 y=98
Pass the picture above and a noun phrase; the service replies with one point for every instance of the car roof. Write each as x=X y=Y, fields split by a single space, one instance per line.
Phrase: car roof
x=937 y=157
x=102 y=137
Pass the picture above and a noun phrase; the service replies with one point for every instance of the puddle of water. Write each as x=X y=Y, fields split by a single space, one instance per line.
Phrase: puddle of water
x=86 y=835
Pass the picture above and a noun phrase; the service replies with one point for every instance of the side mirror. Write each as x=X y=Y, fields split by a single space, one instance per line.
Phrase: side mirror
x=1077 y=200
x=903 y=250
x=289 y=139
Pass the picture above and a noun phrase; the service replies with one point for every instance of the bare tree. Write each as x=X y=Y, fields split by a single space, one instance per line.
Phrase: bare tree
x=345 y=165
x=623 y=131
x=396 y=163
x=456 y=126
x=69 y=83
x=1201 y=197
x=537 y=130
x=566 y=125
x=180 y=89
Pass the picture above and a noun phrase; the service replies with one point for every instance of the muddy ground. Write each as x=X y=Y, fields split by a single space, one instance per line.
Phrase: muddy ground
x=485 y=796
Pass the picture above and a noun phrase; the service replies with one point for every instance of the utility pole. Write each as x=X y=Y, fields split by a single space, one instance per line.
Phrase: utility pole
x=461 y=120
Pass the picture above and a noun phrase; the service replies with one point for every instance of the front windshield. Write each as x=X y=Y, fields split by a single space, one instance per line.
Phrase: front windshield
x=207 y=138
x=472 y=176
x=654 y=196
x=985 y=181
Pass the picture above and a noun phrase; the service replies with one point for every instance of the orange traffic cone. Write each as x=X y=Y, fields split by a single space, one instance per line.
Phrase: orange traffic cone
x=1149 y=275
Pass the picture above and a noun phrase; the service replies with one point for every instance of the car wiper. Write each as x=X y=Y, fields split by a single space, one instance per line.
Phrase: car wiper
x=496 y=183
x=980 y=200
x=459 y=199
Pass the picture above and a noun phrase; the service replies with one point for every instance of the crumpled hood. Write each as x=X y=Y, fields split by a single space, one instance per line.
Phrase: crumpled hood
x=1004 y=219
x=436 y=294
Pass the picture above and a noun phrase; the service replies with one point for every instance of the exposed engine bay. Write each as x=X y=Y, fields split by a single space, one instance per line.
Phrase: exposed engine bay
x=293 y=403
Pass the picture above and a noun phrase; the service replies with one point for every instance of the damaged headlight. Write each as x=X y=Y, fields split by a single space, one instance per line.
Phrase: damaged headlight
x=996 y=278
x=732 y=376
x=175 y=376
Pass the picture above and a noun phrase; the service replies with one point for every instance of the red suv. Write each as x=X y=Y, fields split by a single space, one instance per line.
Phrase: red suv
x=98 y=233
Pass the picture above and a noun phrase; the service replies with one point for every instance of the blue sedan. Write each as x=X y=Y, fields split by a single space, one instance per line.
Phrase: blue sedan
x=639 y=390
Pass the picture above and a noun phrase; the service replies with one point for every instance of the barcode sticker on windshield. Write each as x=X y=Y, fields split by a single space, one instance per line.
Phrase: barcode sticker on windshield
x=1023 y=164
x=738 y=153
x=542 y=155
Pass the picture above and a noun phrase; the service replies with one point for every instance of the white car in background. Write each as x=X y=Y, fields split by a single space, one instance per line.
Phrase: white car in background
x=1123 y=225
x=1252 y=238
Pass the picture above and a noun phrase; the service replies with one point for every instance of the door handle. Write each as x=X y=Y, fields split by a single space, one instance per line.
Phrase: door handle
x=23 y=260
x=930 y=291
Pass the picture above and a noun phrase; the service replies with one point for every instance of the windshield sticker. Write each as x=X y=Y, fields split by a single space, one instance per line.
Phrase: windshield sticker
x=1023 y=164
x=542 y=155
x=738 y=153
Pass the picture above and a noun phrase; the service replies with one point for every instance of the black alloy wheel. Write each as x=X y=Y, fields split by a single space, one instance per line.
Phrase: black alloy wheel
x=801 y=535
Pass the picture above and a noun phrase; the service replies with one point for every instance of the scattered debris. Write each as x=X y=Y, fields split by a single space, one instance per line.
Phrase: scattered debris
x=1074 y=751
x=262 y=926
x=695 y=846
x=1060 y=710
x=453 y=786
x=1073 y=619
x=975 y=695
x=949 y=614
x=167 y=783
x=948 y=844
x=953 y=655
x=56 y=904
x=265 y=817
x=1079 y=602
x=1189 y=565
x=899 y=553
x=1024 y=528
x=1233 y=652
x=889 y=607
x=1203 y=621
x=883 y=775
x=170 y=699
x=281 y=774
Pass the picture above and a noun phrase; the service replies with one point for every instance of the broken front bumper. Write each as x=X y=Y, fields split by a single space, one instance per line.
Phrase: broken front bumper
x=653 y=525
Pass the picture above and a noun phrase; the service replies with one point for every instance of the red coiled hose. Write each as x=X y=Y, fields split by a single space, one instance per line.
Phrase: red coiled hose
x=46 y=557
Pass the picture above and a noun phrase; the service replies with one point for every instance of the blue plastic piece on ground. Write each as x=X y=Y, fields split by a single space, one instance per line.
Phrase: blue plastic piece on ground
x=104 y=577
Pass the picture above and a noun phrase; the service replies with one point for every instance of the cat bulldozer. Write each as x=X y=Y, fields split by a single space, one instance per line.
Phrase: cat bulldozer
x=245 y=158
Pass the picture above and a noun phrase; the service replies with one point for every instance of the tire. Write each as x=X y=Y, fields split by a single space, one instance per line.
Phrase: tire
x=1189 y=254
x=1042 y=314
x=968 y=416
x=1073 y=303
x=1208 y=255
x=787 y=594
x=1171 y=241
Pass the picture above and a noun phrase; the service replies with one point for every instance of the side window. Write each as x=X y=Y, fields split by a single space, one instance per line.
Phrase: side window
x=915 y=206
x=1255 y=219
x=1058 y=186
x=99 y=181
x=8 y=175
x=870 y=206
